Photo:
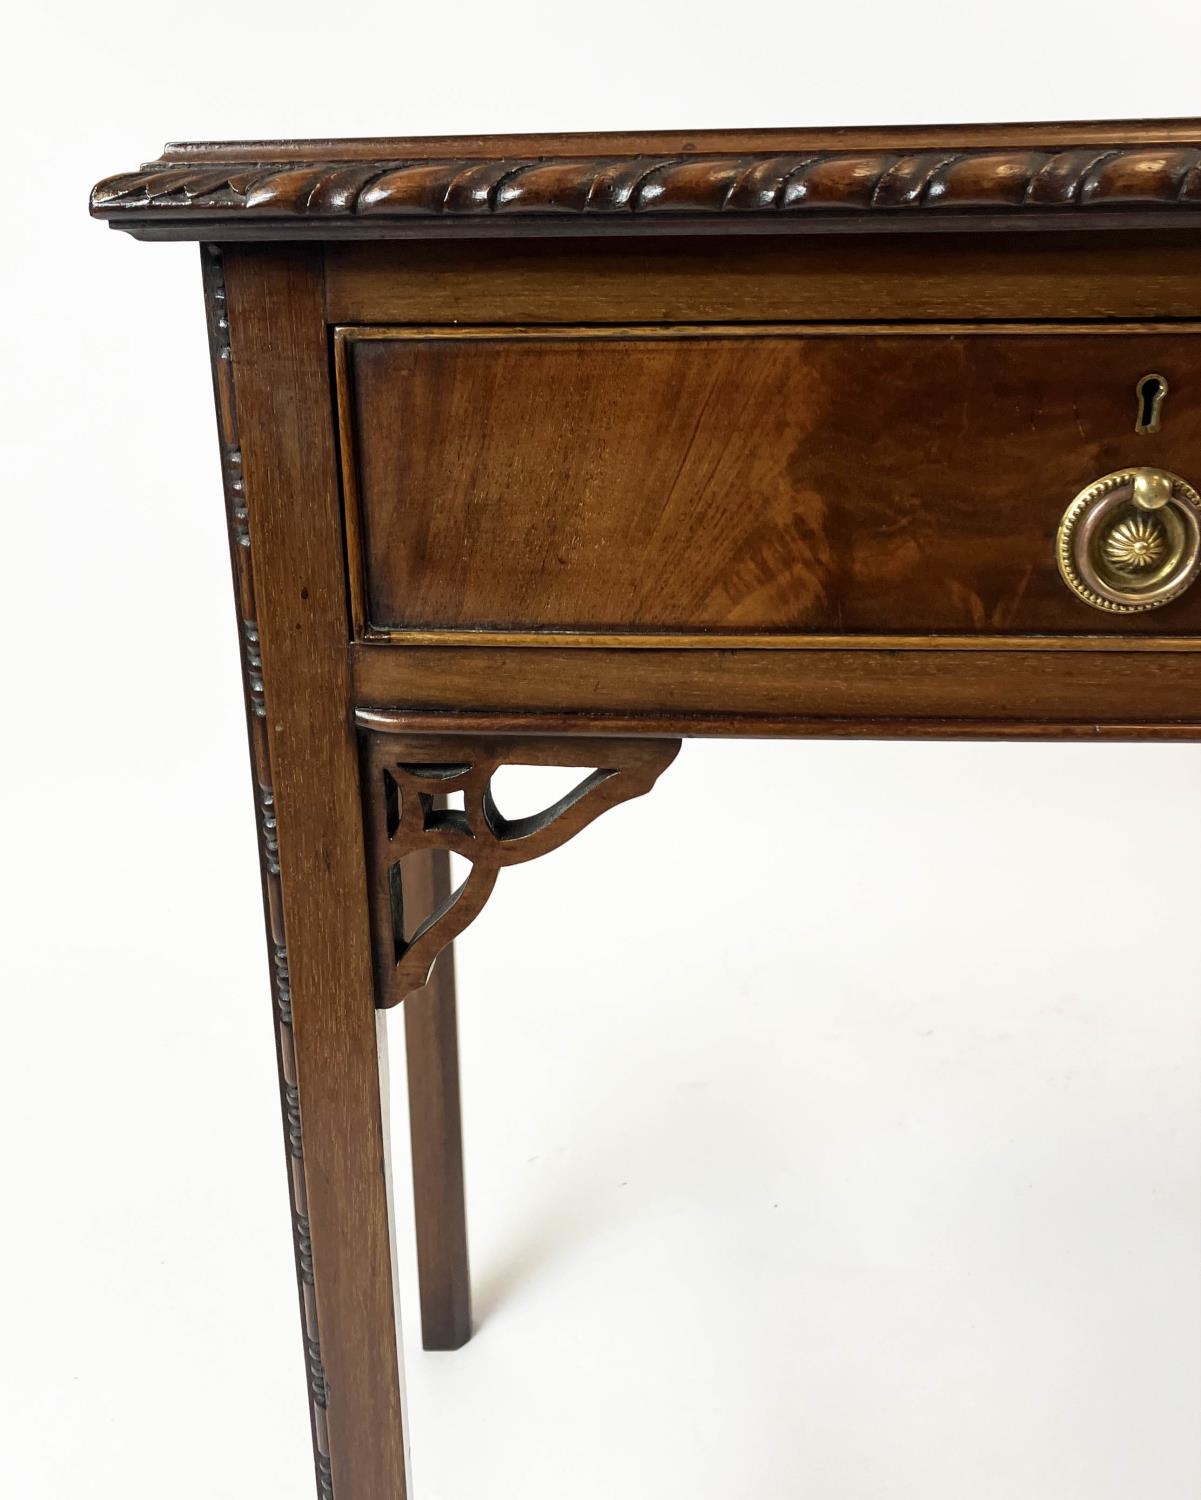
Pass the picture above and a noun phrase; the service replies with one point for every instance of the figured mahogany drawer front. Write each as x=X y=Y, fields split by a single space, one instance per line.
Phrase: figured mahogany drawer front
x=760 y=480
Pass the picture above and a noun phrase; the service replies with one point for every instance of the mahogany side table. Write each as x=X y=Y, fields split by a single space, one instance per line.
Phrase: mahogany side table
x=555 y=450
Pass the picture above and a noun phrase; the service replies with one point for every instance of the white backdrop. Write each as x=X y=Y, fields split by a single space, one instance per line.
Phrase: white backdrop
x=833 y=1115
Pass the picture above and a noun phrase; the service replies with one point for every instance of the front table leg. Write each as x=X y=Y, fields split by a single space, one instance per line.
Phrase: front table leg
x=330 y=892
x=267 y=331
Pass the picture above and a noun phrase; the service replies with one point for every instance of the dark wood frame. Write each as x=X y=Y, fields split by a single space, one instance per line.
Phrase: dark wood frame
x=1094 y=223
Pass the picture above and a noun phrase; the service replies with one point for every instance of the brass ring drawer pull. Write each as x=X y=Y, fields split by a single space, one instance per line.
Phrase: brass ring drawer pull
x=1131 y=540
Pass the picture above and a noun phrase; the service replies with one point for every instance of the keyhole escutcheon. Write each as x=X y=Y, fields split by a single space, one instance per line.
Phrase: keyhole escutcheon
x=1150 y=390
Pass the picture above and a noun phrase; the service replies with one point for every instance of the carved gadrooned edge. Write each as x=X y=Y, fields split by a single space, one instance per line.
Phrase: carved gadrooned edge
x=407 y=779
x=235 y=499
x=819 y=183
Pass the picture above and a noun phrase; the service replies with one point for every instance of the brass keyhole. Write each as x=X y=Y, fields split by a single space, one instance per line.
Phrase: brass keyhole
x=1150 y=390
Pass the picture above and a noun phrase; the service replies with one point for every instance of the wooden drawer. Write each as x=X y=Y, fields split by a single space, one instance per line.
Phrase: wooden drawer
x=724 y=480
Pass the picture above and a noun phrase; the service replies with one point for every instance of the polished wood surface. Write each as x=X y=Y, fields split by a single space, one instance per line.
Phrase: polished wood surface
x=889 y=691
x=808 y=182
x=406 y=780
x=886 y=192
x=558 y=449
x=435 y=1127
x=262 y=778
x=281 y=383
x=975 y=136
x=456 y=722
x=847 y=480
x=998 y=276
x=811 y=182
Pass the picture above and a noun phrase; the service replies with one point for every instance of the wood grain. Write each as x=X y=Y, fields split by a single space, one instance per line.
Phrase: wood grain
x=245 y=596
x=405 y=778
x=673 y=280
x=774 y=726
x=277 y=338
x=798 y=186
x=1047 y=134
x=765 y=480
x=778 y=687
x=435 y=1128
x=586 y=542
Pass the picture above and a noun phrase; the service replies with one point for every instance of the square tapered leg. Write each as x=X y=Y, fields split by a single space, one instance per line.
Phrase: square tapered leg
x=432 y=1051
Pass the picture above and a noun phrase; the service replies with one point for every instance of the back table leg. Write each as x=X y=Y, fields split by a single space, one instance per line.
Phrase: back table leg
x=412 y=831
x=432 y=1050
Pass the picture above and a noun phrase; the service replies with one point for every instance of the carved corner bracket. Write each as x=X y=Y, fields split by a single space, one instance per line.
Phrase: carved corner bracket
x=425 y=794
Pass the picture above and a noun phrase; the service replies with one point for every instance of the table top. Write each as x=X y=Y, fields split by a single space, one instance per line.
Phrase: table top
x=1074 y=175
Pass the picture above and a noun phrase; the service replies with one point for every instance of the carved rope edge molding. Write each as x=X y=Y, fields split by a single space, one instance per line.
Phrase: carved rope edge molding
x=235 y=501
x=829 y=182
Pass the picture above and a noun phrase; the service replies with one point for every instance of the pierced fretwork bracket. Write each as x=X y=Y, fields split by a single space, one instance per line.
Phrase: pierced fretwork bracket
x=413 y=786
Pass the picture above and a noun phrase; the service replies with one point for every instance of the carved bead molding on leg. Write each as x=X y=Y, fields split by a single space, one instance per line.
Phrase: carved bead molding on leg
x=407 y=779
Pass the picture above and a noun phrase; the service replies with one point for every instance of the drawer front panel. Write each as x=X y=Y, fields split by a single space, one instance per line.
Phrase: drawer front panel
x=730 y=480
